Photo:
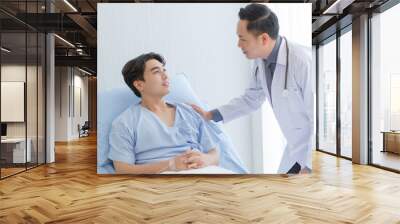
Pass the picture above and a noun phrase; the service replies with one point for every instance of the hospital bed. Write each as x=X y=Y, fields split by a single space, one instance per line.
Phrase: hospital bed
x=112 y=102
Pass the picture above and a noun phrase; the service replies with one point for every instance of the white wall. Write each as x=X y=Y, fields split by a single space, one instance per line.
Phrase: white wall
x=61 y=103
x=66 y=121
x=33 y=126
x=197 y=39
x=80 y=83
x=14 y=72
x=17 y=73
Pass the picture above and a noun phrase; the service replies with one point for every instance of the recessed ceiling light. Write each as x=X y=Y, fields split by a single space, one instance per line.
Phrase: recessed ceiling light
x=338 y=6
x=86 y=72
x=5 y=50
x=70 y=5
x=64 y=40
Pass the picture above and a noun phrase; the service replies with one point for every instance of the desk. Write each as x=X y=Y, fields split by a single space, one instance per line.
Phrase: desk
x=391 y=141
x=15 y=148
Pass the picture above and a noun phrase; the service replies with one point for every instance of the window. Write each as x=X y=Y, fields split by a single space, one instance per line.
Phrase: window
x=385 y=89
x=327 y=97
x=346 y=94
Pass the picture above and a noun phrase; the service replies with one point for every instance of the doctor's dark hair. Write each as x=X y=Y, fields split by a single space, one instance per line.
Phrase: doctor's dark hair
x=134 y=69
x=261 y=20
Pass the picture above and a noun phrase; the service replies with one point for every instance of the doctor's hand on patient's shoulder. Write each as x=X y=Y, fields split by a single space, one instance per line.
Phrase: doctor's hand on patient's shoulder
x=207 y=115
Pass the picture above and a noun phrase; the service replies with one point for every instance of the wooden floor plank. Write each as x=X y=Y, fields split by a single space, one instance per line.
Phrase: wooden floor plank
x=70 y=191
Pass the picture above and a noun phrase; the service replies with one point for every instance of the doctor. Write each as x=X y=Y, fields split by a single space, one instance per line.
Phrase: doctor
x=282 y=76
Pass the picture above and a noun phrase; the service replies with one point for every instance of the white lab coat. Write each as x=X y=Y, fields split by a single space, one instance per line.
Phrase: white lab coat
x=294 y=112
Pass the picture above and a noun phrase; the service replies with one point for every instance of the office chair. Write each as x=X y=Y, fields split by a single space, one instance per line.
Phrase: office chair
x=84 y=130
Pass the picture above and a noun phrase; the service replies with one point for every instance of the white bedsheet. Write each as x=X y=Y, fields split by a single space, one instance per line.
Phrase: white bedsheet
x=205 y=170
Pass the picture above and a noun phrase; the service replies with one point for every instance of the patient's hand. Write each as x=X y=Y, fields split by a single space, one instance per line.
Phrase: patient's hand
x=207 y=115
x=181 y=162
x=196 y=159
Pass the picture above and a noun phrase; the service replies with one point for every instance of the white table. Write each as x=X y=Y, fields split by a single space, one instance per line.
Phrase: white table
x=19 y=149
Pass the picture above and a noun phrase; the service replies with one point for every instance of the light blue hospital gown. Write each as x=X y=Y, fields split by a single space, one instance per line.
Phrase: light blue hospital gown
x=138 y=136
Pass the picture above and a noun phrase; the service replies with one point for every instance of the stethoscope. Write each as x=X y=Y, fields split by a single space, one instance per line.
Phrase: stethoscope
x=285 y=91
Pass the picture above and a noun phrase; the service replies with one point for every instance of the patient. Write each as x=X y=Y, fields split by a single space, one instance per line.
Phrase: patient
x=154 y=136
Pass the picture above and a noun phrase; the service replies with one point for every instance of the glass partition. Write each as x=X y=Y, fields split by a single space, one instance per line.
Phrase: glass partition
x=13 y=103
x=23 y=89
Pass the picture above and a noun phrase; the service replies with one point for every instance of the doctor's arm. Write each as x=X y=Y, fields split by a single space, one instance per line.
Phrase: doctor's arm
x=250 y=101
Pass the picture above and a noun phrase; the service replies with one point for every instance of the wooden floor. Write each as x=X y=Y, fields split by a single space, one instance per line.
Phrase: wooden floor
x=70 y=191
x=5 y=172
x=10 y=171
x=387 y=159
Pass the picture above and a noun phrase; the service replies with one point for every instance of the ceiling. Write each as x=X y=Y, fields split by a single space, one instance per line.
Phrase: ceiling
x=76 y=22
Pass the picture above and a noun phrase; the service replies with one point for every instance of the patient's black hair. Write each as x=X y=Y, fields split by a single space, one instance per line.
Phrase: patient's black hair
x=261 y=20
x=134 y=69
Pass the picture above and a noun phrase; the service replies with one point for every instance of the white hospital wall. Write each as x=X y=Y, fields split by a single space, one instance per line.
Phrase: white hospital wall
x=207 y=54
x=199 y=40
